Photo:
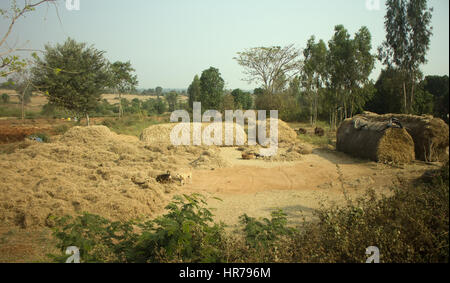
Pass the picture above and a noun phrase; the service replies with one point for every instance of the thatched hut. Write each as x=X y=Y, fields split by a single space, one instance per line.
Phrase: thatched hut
x=375 y=140
x=430 y=134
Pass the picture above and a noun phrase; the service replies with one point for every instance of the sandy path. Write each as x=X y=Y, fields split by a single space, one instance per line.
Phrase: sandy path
x=256 y=187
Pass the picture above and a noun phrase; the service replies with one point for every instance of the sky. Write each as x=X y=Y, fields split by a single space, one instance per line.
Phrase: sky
x=168 y=42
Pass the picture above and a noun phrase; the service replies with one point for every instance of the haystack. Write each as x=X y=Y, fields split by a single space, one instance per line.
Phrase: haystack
x=430 y=134
x=375 y=141
x=286 y=135
x=160 y=134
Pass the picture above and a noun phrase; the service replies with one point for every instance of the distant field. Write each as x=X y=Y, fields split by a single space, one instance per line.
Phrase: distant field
x=37 y=100
x=114 y=98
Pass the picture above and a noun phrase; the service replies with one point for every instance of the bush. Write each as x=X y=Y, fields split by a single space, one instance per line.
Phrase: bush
x=410 y=226
x=5 y=98
x=61 y=129
x=186 y=233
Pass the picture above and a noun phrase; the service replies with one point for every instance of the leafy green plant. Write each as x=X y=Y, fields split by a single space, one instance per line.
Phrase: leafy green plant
x=186 y=233
x=266 y=232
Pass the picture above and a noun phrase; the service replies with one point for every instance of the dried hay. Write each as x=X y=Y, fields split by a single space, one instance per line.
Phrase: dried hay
x=430 y=135
x=91 y=169
x=160 y=134
x=286 y=135
x=375 y=141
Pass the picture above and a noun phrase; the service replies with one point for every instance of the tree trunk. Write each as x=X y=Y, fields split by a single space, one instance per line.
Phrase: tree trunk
x=23 y=105
x=120 y=106
x=315 y=108
x=87 y=119
x=405 y=107
x=411 y=103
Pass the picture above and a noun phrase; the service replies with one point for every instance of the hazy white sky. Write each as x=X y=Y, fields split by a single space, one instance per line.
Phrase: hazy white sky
x=169 y=41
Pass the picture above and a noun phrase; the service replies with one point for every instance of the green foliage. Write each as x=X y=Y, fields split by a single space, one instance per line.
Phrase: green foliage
x=388 y=93
x=265 y=233
x=121 y=77
x=438 y=86
x=5 y=98
x=186 y=233
x=194 y=92
x=172 y=100
x=129 y=125
x=243 y=100
x=408 y=35
x=423 y=102
x=50 y=110
x=228 y=103
x=81 y=77
x=61 y=129
x=211 y=85
x=160 y=106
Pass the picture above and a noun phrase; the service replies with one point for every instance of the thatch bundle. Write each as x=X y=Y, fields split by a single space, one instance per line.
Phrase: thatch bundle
x=430 y=134
x=375 y=141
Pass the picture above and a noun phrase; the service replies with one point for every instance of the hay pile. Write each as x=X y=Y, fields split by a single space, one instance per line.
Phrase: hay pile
x=286 y=135
x=289 y=147
x=375 y=141
x=90 y=169
x=430 y=135
x=160 y=134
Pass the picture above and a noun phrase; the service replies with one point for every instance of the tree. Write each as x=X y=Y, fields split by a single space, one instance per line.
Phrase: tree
x=122 y=80
x=349 y=65
x=438 y=86
x=258 y=91
x=242 y=100
x=211 y=85
x=267 y=64
x=408 y=34
x=172 y=100
x=10 y=63
x=194 y=92
x=313 y=74
x=5 y=98
x=228 y=103
x=160 y=106
x=73 y=75
x=158 y=91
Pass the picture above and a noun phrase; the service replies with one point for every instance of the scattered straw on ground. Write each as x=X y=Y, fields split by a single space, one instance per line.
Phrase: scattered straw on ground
x=91 y=169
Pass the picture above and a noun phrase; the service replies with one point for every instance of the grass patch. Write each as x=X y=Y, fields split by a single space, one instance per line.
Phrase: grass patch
x=130 y=125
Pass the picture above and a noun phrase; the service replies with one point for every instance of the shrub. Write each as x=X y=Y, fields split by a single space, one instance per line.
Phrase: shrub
x=5 y=98
x=186 y=233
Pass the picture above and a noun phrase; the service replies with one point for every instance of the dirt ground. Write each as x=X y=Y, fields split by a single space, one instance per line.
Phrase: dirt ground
x=257 y=187
x=254 y=187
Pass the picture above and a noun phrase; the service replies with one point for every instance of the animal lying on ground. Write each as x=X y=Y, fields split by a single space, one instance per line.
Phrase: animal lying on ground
x=183 y=178
x=301 y=131
x=319 y=132
x=248 y=156
x=164 y=178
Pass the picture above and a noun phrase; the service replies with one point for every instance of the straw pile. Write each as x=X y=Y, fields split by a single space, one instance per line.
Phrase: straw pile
x=91 y=169
x=160 y=134
x=430 y=135
x=375 y=141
